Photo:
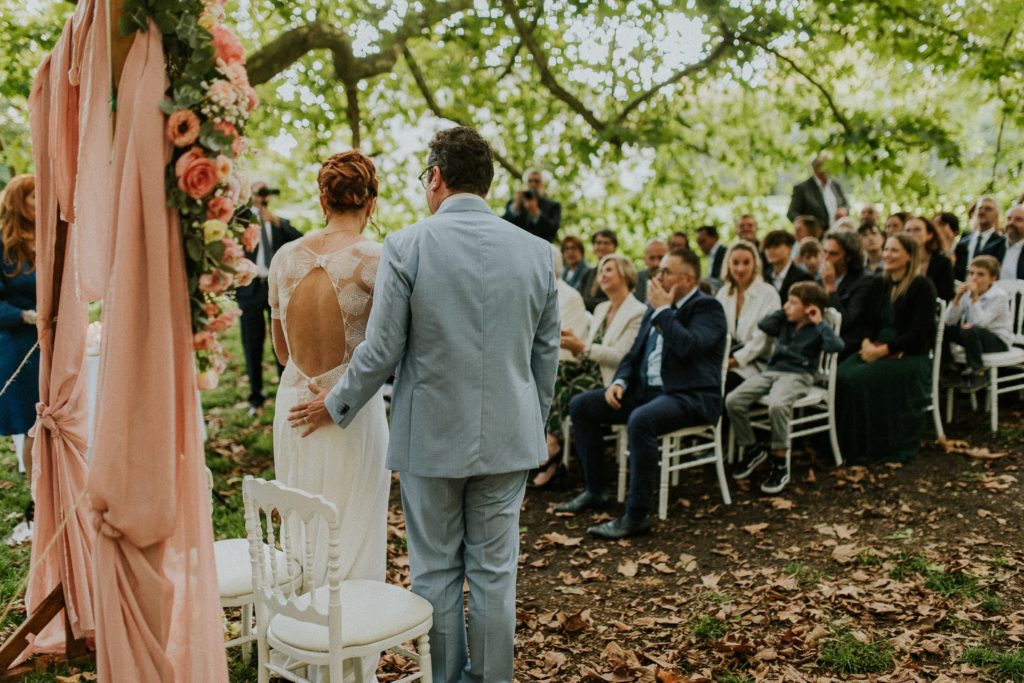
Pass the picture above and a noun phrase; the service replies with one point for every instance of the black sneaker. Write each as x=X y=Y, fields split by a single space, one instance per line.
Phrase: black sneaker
x=974 y=380
x=750 y=460
x=777 y=479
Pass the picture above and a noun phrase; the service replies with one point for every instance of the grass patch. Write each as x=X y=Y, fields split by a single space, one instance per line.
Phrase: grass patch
x=844 y=654
x=735 y=677
x=805 y=576
x=718 y=598
x=708 y=629
x=1002 y=666
x=909 y=565
x=952 y=584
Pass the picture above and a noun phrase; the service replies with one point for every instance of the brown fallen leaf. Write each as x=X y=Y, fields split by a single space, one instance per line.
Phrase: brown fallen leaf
x=580 y=621
x=710 y=580
x=755 y=529
x=628 y=568
x=845 y=554
x=562 y=539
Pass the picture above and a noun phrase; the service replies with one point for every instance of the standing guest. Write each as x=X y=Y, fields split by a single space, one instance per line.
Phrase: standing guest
x=820 y=195
x=671 y=378
x=869 y=214
x=806 y=227
x=275 y=232
x=782 y=273
x=653 y=253
x=872 y=240
x=801 y=337
x=808 y=256
x=882 y=391
x=603 y=242
x=934 y=263
x=746 y=298
x=895 y=222
x=18 y=315
x=979 y=319
x=707 y=240
x=532 y=211
x=852 y=289
x=678 y=240
x=1008 y=250
x=746 y=229
x=985 y=235
x=576 y=266
x=948 y=226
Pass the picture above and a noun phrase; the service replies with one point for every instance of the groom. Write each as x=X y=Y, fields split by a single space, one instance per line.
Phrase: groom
x=476 y=357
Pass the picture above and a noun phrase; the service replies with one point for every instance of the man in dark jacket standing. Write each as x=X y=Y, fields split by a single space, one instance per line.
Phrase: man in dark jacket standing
x=819 y=196
x=532 y=211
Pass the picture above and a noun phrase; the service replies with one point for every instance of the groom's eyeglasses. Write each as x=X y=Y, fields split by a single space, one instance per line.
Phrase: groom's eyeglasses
x=425 y=176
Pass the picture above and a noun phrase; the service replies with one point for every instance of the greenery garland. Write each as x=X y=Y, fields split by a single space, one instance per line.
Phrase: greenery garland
x=208 y=104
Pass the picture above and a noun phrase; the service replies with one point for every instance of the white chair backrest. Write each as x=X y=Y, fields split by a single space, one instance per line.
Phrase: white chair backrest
x=828 y=362
x=289 y=521
x=1015 y=288
x=940 y=331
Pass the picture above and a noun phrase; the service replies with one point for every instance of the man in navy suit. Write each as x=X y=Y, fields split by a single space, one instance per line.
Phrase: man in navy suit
x=1009 y=249
x=671 y=378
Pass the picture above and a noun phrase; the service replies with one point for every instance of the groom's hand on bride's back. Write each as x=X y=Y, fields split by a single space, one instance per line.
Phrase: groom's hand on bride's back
x=312 y=415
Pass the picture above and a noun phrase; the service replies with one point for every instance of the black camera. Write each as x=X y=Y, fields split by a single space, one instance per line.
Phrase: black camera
x=528 y=194
x=267 y=191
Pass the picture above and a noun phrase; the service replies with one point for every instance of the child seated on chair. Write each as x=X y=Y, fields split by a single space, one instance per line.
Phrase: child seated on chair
x=801 y=337
x=979 y=319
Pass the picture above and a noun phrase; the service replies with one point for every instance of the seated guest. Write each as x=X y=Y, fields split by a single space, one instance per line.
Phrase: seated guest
x=575 y=323
x=983 y=237
x=871 y=241
x=801 y=337
x=670 y=379
x=1008 y=250
x=781 y=273
x=603 y=242
x=611 y=333
x=948 y=226
x=883 y=390
x=576 y=266
x=808 y=255
x=532 y=211
x=895 y=222
x=678 y=240
x=934 y=263
x=746 y=298
x=979 y=319
x=707 y=240
x=653 y=253
x=805 y=227
x=851 y=289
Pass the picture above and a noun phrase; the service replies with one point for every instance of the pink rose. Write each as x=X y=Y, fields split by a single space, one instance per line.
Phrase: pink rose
x=187 y=158
x=203 y=341
x=208 y=379
x=236 y=74
x=239 y=145
x=224 y=167
x=224 y=322
x=182 y=128
x=199 y=176
x=215 y=282
x=245 y=272
x=220 y=208
x=226 y=46
x=251 y=237
x=232 y=251
x=226 y=127
x=211 y=309
x=252 y=97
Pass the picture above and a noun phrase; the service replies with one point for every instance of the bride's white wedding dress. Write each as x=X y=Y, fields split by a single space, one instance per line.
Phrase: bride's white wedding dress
x=346 y=466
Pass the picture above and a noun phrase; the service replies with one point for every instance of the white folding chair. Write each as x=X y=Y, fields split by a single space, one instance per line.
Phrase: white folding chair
x=814 y=413
x=936 y=397
x=681 y=450
x=1005 y=368
x=307 y=619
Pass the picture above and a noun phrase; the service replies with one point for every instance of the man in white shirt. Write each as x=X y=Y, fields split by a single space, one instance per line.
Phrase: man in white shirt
x=979 y=319
x=1008 y=251
x=983 y=239
x=820 y=195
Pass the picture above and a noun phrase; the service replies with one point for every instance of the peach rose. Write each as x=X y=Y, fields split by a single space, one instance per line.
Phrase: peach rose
x=232 y=251
x=187 y=158
x=182 y=128
x=220 y=208
x=224 y=167
x=235 y=73
x=226 y=46
x=245 y=272
x=224 y=322
x=208 y=379
x=211 y=309
x=199 y=176
x=203 y=341
x=251 y=237
x=215 y=282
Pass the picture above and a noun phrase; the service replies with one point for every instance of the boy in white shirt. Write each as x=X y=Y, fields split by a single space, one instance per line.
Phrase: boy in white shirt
x=979 y=319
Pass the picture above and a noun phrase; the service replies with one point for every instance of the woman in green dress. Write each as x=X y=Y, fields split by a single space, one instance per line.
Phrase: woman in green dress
x=882 y=391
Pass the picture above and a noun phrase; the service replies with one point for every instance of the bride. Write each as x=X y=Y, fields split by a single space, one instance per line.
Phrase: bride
x=321 y=290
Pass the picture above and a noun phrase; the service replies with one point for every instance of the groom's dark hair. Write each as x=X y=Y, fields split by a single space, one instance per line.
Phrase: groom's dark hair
x=465 y=159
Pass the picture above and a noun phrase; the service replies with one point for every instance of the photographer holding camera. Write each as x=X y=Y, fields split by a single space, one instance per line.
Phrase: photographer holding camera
x=532 y=211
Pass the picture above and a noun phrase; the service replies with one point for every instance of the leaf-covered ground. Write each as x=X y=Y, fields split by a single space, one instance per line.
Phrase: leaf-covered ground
x=905 y=573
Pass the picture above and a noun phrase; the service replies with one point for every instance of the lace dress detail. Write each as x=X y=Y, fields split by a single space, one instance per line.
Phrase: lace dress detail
x=352 y=271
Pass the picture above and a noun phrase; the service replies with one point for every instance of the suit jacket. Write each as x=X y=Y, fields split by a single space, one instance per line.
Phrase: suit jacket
x=591 y=291
x=640 y=293
x=856 y=298
x=618 y=337
x=995 y=246
x=255 y=293
x=547 y=223
x=476 y=355
x=940 y=272
x=794 y=275
x=716 y=263
x=578 y=275
x=691 y=362
x=807 y=199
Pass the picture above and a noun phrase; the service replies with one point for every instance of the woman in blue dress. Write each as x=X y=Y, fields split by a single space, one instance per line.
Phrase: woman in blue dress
x=18 y=314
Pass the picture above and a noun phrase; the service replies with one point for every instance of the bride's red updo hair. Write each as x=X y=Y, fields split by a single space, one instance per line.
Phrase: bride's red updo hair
x=348 y=181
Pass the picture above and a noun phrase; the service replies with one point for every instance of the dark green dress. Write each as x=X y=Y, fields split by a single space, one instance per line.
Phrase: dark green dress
x=574 y=377
x=880 y=412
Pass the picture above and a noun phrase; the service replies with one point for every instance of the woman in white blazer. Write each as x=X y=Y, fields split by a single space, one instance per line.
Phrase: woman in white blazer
x=595 y=355
x=746 y=298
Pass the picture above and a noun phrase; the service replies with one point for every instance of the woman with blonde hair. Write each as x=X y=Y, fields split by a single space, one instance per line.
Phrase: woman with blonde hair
x=882 y=391
x=18 y=314
x=746 y=298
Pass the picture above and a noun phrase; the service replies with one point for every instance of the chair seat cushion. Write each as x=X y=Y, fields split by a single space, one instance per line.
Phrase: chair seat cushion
x=815 y=395
x=234 y=568
x=371 y=611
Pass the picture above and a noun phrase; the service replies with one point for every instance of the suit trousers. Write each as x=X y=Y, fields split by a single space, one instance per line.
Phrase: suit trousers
x=466 y=530
x=783 y=389
x=647 y=414
x=976 y=341
x=255 y=314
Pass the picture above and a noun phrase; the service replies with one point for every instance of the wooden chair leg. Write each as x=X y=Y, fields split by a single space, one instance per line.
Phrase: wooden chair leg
x=423 y=649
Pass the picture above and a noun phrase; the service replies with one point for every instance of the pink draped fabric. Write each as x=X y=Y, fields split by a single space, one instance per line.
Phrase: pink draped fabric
x=158 y=614
x=60 y=554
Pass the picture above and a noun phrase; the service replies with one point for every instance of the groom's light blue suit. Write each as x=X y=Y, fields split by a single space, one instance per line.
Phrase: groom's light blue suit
x=466 y=308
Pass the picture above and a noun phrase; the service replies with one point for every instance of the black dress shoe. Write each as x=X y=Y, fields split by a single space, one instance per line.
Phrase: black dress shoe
x=625 y=526
x=585 y=501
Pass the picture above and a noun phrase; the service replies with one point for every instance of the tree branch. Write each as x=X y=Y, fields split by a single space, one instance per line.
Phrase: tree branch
x=432 y=104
